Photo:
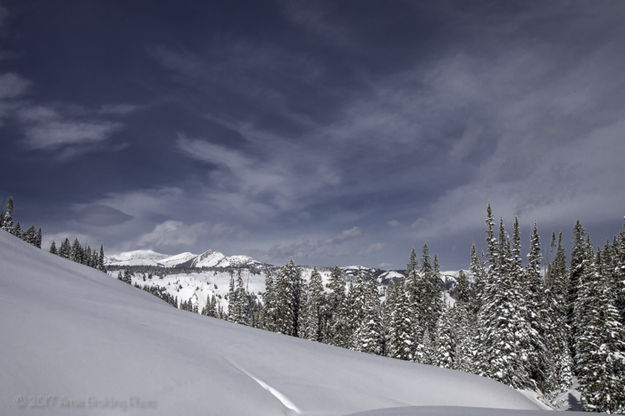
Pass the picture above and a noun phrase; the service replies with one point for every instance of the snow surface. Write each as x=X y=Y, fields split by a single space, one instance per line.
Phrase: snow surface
x=77 y=342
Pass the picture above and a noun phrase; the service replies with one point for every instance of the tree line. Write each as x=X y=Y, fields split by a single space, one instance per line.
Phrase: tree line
x=514 y=323
x=31 y=235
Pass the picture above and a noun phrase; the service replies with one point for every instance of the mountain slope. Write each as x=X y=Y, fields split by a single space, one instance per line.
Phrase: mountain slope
x=98 y=345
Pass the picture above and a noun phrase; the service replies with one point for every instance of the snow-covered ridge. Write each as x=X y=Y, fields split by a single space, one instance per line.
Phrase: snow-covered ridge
x=209 y=258
x=75 y=336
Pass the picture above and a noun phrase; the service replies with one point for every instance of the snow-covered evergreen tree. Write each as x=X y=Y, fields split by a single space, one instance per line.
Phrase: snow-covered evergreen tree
x=560 y=372
x=337 y=331
x=6 y=217
x=536 y=313
x=504 y=330
x=445 y=341
x=600 y=346
x=287 y=291
x=53 y=249
x=369 y=335
x=315 y=308
x=401 y=330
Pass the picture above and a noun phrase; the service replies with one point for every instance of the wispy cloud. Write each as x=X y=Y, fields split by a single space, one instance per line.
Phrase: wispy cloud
x=176 y=233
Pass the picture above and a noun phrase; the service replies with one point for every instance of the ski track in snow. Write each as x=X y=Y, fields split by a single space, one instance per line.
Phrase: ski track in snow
x=286 y=402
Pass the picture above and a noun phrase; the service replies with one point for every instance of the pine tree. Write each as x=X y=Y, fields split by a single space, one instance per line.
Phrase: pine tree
x=503 y=328
x=538 y=360
x=288 y=286
x=269 y=310
x=238 y=303
x=369 y=335
x=65 y=250
x=38 y=238
x=315 y=308
x=337 y=332
x=76 y=254
x=30 y=235
x=6 y=221
x=579 y=262
x=600 y=345
x=401 y=330
x=445 y=341
x=559 y=374
x=53 y=248
x=101 y=259
x=17 y=230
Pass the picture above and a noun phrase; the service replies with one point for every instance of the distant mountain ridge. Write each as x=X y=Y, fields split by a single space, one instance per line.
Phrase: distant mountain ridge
x=209 y=258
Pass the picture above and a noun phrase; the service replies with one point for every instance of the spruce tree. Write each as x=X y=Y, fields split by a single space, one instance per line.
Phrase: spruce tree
x=38 y=238
x=65 y=249
x=600 y=346
x=269 y=310
x=287 y=290
x=101 y=259
x=501 y=320
x=401 y=331
x=337 y=332
x=53 y=248
x=76 y=254
x=445 y=341
x=559 y=374
x=369 y=336
x=536 y=314
x=315 y=308
x=6 y=221
x=17 y=230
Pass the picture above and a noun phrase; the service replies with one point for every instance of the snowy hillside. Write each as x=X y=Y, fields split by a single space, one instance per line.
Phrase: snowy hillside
x=77 y=342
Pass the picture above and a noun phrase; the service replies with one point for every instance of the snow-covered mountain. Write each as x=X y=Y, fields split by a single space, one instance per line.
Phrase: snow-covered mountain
x=209 y=258
x=136 y=258
x=77 y=342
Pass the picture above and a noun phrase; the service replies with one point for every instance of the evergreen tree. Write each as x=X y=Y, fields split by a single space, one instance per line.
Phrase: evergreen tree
x=559 y=375
x=463 y=289
x=30 y=235
x=502 y=324
x=600 y=345
x=101 y=259
x=53 y=248
x=17 y=230
x=238 y=304
x=401 y=330
x=6 y=221
x=38 y=238
x=288 y=286
x=315 y=308
x=445 y=341
x=337 y=332
x=536 y=314
x=580 y=261
x=369 y=336
x=76 y=254
x=269 y=310
x=65 y=250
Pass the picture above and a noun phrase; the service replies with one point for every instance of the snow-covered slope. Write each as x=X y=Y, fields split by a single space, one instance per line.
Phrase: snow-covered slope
x=173 y=261
x=77 y=342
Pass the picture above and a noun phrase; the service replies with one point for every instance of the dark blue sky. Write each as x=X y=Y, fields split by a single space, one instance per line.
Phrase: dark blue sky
x=331 y=132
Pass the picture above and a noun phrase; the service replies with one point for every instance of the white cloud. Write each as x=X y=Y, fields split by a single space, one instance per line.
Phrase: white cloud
x=54 y=134
x=393 y=223
x=176 y=233
x=13 y=85
x=345 y=235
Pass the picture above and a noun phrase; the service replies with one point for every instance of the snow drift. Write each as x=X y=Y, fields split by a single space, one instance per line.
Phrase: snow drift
x=77 y=342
